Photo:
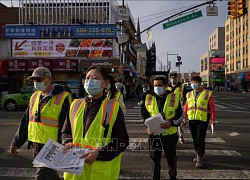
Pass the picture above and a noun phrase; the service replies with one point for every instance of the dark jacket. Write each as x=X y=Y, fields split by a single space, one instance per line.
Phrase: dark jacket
x=119 y=135
x=21 y=135
x=179 y=115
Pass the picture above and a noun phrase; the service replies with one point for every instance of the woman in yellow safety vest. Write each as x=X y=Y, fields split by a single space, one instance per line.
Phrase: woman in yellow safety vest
x=113 y=93
x=96 y=123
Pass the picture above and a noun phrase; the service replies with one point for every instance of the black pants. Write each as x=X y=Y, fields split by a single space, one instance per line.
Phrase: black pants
x=168 y=144
x=46 y=174
x=198 y=131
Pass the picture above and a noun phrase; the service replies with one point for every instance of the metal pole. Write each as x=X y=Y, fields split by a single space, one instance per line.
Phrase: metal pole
x=167 y=61
x=121 y=46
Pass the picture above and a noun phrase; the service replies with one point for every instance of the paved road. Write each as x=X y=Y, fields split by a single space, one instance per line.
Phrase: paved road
x=227 y=155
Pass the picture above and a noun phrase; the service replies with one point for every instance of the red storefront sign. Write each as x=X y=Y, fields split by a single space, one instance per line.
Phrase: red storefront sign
x=18 y=65
x=34 y=63
x=3 y=67
x=65 y=65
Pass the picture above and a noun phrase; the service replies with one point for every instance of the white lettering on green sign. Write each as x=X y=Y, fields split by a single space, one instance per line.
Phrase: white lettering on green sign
x=182 y=19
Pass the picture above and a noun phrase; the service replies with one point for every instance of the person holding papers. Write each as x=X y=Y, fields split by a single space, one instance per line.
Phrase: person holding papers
x=199 y=109
x=97 y=124
x=168 y=105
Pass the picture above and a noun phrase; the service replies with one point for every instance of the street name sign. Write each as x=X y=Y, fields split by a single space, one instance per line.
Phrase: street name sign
x=182 y=19
x=122 y=14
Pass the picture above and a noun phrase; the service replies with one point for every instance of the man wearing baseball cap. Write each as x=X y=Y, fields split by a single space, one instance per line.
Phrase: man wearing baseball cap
x=43 y=119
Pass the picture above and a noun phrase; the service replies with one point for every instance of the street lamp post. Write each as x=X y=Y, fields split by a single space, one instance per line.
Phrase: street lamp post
x=178 y=63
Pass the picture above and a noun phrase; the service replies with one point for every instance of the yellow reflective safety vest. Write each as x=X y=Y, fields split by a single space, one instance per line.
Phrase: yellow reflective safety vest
x=169 y=109
x=198 y=106
x=47 y=127
x=117 y=97
x=96 y=137
x=178 y=90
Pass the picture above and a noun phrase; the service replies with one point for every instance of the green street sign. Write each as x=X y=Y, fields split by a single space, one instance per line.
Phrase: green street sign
x=182 y=19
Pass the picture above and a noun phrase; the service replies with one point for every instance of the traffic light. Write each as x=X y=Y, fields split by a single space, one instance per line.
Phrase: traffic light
x=232 y=9
x=178 y=58
x=242 y=7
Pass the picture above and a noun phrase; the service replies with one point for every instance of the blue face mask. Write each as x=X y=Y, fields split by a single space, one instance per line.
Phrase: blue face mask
x=40 y=86
x=194 y=86
x=92 y=86
x=159 y=90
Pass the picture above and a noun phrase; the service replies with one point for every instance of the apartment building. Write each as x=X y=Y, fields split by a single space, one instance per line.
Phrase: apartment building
x=212 y=63
x=237 y=63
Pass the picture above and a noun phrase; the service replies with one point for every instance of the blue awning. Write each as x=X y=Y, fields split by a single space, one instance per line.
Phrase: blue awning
x=241 y=75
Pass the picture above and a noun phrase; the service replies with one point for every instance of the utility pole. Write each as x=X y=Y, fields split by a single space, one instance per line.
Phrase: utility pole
x=121 y=48
x=178 y=59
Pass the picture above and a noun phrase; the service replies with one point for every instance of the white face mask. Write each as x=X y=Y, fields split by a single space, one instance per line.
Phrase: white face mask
x=40 y=86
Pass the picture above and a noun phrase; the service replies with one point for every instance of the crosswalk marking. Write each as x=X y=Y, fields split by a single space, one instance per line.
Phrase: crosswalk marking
x=190 y=174
x=209 y=140
x=214 y=152
x=145 y=174
x=139 y=131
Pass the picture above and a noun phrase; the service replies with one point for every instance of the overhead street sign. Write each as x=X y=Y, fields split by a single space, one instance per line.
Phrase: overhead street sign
x=122 y=14
x=212 y=11
x=122 y=38
x=182 y=19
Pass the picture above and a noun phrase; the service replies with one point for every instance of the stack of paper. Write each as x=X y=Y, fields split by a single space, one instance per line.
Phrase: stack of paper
x=54 y=156
x=154 y=124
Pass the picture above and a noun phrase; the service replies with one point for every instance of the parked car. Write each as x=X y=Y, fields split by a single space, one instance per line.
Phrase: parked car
x=13 y=101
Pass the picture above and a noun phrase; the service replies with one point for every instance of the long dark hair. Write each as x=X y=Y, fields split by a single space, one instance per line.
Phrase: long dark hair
x=112 y=89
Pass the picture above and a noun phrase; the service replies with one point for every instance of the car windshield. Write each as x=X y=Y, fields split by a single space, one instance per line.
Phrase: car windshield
x=28 y=90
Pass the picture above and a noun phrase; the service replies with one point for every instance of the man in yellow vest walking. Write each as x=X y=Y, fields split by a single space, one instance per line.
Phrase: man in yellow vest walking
x=199 y=109
x=178 y=88
x=168 y=104
x=43 y=119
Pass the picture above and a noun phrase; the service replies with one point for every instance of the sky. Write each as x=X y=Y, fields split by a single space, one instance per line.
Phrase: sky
x=189 y=40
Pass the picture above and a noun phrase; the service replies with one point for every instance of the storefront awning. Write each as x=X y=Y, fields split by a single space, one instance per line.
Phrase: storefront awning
x=3 y=67
x=241 y=75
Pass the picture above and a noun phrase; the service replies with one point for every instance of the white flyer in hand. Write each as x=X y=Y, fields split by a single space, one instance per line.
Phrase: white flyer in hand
x=212 y=129
x=53 y=155
x=154 y=124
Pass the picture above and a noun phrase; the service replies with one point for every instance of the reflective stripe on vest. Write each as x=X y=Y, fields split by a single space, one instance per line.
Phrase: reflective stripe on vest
x=198 y=109
x=169 y=109
x=47 y=126
x=59 y=98
x=107 y=114
x=172 y=100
